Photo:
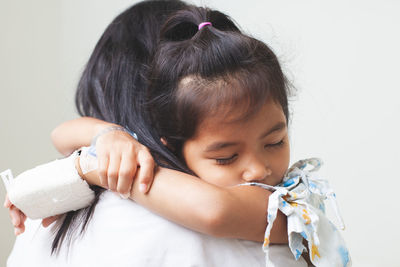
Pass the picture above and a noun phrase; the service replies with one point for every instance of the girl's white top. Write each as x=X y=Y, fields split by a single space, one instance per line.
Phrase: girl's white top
x=122 y=233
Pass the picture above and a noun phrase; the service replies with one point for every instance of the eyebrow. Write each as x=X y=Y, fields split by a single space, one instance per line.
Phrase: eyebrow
x=276 y=128
x=220 y=145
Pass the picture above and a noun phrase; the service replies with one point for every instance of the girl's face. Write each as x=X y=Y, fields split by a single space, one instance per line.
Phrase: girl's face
x=234 y=152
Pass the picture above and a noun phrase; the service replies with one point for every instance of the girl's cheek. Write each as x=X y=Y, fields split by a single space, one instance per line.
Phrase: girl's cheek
x=223 y=177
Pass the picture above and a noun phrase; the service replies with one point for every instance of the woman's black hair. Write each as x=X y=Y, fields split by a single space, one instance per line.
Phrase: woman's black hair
x=113 y=83
x=115 y=75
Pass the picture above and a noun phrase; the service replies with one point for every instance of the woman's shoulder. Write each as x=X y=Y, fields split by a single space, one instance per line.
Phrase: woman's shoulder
x=122 y=233
x=142 y=238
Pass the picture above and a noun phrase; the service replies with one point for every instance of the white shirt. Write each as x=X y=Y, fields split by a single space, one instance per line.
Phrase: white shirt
x=122 y=233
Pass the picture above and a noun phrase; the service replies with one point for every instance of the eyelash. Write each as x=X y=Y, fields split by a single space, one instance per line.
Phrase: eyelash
x=226 y=161
x=276 y=145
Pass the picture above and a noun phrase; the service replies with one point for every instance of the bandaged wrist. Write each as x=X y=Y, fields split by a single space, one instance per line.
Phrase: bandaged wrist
x=49 y=189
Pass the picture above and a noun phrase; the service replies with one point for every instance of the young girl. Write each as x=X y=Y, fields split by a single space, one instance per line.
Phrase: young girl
x=206 y=86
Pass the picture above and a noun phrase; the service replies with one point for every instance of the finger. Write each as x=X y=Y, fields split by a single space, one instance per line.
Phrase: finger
x=19 y=230
x=23 y=217
x=15 y=215
x=7 y=202
x=103 y=170
x=49 y=220
x=126 y=175
x=113 y=170
x=146 y=174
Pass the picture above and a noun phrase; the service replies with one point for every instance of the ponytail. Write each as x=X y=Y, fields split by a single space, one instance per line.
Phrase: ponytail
x=196 y=72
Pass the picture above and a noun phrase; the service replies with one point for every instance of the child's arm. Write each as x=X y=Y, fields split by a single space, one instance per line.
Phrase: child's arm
x=73 y=134
x=229 y=212
x=118 y=153
x=236 y=212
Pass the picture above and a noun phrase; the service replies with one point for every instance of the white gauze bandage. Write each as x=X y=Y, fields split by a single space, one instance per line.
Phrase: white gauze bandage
x=49 y=189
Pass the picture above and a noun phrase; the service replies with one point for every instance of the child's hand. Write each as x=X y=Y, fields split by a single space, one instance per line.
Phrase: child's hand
x=119 y=155
x=18 y=218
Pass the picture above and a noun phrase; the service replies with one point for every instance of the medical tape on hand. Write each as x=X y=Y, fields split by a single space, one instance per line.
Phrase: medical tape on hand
x=49 y=189
x=88 y=160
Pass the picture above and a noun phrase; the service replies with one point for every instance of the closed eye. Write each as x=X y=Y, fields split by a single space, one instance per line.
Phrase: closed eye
x=275 y=145
x=226 y=161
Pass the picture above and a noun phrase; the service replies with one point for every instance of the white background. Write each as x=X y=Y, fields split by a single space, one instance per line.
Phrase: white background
x=342 y=57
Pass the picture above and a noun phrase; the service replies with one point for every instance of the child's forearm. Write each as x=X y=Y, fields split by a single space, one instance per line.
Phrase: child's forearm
x=237 y=212
x=73 y=134
x=226 y=212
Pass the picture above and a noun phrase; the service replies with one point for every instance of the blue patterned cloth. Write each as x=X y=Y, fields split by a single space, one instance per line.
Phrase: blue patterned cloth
x=301 y=197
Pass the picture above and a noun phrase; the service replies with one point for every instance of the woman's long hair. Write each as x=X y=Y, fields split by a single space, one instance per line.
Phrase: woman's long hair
x=113 y=83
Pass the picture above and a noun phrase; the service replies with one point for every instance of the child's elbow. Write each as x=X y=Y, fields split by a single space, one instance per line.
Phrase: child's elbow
x=54 y=136
x=55 y=139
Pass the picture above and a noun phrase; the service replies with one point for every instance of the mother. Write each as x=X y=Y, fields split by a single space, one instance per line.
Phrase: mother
x=118 y=65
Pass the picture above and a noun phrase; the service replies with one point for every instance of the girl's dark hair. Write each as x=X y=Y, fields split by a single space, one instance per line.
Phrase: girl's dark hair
x=113 y=83
x=199 y=73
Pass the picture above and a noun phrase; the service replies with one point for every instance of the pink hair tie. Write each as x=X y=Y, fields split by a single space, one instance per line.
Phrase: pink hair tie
x=201 y=25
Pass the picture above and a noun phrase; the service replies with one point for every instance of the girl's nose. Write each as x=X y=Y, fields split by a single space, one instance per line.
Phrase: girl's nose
x=256 y=171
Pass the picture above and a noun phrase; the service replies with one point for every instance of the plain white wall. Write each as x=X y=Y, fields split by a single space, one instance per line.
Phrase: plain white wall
x=342 y=56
